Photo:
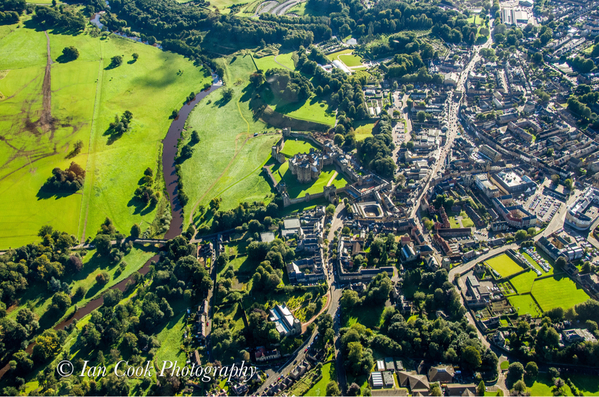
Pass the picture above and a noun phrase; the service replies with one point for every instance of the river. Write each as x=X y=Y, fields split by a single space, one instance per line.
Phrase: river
x=169 y=152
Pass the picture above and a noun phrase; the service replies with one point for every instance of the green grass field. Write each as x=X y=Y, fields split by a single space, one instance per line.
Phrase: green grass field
x=295 y=146
x=227 y=162
x=504 y=265
x=524 y=304
x=85 y=98
x=319 y=389
x=363 y=130
x=346 y=56
x=558 y=292
x=270 y=62
x=313 y=109
x=296 y=189
x=523 y=282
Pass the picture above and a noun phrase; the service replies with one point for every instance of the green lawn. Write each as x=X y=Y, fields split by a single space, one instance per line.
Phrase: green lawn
x=524 y=304
x=171 y=337
x=363 y=130
x=85 y=98
x=368 y=318
x=558 y=291
x=504 y=265
x=296 y=189
x=475 y=19
x=270 y=62
x=523 y=282
x=228 y=161
x=295 y=146
x=319 y=389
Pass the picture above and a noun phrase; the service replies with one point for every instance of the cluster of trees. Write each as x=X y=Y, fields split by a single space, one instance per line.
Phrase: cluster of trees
x=579 y=108
x=582 y=64
x=70 y=53
x=69 y=180
x=376 y=294
x=145 y=192
x=8 y=17
x=400 y=43
x=376 y=152
x=63 y=17
x=288 y=85
x=243 y=214
x=187 y=150
x=434 y=292
x=277 y=253
x=119 y=126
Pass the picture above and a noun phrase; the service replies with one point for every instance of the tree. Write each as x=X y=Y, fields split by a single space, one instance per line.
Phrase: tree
x=519 y=388
x=103 y=244
x=421 y=116
x=60 y=302
x=333 y=389
x=339 y=139
x=561 y=262
x=515 y=371
x=521 y=235
x=70 y=53
x=330 y=210
x=135 y=231
x=568 y=183
x=227 y=94
x=116 y=61
x=353 y=390
x=47 y=345
x=436 y=390
x=471 y=357
x=135 y=56
x=532 y=370
x=112 y=297
x=480 y=389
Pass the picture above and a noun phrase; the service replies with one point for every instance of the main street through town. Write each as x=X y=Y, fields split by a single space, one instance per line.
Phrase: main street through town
x=452 y=131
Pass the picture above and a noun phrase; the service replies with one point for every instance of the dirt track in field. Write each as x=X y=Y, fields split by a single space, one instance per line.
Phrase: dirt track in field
x=46 y=117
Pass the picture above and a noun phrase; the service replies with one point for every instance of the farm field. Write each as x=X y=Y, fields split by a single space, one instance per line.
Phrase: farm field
x=504 y=265
x=85 y=96
x=558 y=291
x=296 y=189
x=227 y=159
x=524 y=304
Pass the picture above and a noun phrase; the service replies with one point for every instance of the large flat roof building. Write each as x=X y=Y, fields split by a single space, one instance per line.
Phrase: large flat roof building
x=510 y=182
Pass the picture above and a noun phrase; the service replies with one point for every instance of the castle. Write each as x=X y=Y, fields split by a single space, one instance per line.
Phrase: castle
x=307 y=166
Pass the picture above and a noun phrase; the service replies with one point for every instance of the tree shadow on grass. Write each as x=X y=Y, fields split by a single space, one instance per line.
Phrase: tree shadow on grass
x=140 y=207
x=44 y=194
x=112 y=135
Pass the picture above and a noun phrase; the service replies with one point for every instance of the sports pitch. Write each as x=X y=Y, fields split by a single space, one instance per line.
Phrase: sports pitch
x=504 y=265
